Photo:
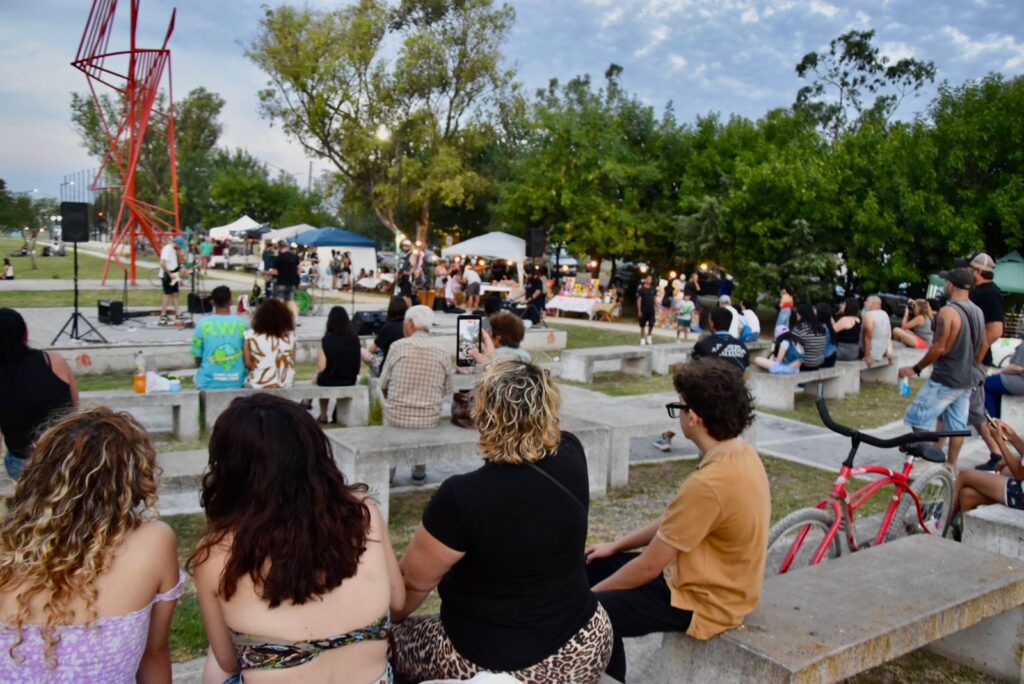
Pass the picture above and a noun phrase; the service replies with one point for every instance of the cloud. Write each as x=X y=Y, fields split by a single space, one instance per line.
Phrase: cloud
x=863 y=18
x=612 y=18
x=823 y=8
x=658 y=36
x=750 y=16
x=678 y=62
x=992 y=44
x=896 y=51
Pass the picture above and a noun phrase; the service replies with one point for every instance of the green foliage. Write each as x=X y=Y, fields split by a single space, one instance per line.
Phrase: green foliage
x=401 y=134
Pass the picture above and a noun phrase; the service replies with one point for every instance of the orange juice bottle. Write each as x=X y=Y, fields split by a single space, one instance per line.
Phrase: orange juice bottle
x=139 y=381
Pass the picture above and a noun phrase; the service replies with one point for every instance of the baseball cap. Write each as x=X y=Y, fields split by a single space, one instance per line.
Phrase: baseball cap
x=960 y=277
x=180 y=241
x=983 y=262
x=725 y=299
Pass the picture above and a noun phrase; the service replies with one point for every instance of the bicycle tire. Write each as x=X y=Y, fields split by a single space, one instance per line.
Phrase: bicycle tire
x=934 y=488
x=782 y=536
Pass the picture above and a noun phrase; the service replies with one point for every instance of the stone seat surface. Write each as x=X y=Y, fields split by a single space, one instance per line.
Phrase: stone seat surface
x=184 y=406
x=831 y=621
x=353 y=405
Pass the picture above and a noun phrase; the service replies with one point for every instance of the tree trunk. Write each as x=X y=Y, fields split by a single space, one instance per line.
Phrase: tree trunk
x=423 y=224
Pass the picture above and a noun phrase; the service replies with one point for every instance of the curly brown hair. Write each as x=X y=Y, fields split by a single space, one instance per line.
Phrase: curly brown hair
x=517 y=410
x=715 y=390
x=273 y=489
x=75 y=503
x=273 y=319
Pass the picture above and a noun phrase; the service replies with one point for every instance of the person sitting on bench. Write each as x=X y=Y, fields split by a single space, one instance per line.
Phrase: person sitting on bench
x=701 y=569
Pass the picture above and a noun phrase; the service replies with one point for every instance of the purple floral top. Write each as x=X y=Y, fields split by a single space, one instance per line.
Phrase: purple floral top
x=108 y=650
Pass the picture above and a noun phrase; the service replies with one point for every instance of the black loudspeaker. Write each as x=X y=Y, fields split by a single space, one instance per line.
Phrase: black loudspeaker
x=369 y=322
x=110 y=311
x=74 y=221
x=535 y=242
x=199 y=303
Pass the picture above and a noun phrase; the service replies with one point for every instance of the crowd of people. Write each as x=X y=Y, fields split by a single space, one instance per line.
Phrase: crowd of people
x=295 y=570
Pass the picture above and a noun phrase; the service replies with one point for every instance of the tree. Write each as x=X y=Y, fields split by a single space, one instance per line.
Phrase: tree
x=851 y=71
x=588 y=174
x=21 y=213
x=399 y=134
x=197 y=130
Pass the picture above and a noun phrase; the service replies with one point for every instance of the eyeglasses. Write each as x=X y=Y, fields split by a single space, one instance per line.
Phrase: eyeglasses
x=675 y=408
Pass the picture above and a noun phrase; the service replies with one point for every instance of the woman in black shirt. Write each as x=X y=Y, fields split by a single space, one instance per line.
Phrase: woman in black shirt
x=505 y=545
x=339 y=357
x=35 y=386
x=391 y=331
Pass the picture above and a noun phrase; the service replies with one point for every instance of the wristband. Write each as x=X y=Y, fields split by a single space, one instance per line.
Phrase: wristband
x=917 y=370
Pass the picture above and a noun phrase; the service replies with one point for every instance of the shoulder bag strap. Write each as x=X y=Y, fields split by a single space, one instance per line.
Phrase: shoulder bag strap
x=560 y=486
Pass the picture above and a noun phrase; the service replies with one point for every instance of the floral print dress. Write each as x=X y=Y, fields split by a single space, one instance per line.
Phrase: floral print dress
x=274 y=359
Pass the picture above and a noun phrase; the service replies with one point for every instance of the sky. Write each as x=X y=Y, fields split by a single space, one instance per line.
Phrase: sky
x=725 y=56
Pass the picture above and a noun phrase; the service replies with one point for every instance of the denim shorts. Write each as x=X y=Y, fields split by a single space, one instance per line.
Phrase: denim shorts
x=934 y=400
x=783 y=369
x=14 y=465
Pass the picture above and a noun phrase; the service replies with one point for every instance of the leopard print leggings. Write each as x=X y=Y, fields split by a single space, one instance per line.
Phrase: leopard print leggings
x=423 y=652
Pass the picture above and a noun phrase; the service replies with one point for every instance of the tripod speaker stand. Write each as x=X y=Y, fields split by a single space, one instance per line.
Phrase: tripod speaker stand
x=71 y=327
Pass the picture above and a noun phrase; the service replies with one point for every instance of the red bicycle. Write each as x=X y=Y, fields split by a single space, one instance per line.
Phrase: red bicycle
x=810 y=535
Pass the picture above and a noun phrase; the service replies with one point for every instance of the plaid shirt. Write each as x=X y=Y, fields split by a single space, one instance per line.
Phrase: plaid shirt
x=415 y=380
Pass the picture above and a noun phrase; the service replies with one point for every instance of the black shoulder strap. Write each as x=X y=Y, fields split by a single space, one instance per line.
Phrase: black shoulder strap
x=560 y=486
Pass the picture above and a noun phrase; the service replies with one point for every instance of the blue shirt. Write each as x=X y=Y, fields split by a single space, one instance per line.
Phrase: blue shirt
x=218 y=343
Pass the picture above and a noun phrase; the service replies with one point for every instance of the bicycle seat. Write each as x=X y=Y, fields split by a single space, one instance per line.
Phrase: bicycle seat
x=928 y=452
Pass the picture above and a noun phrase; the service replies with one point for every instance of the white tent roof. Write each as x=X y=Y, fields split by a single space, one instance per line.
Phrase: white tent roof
x=496 y=245
x=287 y=233
x=240 y=226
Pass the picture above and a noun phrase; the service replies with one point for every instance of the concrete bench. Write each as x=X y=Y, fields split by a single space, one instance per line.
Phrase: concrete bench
x=665 y=356
x=777 y=392
x=184 y=407
x=1012 y=411
x=856 y=372
x=993 y=646
x=578 y=364
x=366 y=454
x=829 y=622
x=352 y=403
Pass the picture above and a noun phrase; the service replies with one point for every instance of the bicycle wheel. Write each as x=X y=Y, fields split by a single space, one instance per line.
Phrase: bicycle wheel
x=303 y=301
x=934 y=489
x=813 y=524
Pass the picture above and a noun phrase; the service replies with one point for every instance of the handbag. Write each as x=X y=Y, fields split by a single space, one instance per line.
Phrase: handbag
x=462 y=409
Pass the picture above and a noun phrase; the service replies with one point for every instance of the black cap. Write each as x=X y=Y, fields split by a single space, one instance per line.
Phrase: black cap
x=960 y=277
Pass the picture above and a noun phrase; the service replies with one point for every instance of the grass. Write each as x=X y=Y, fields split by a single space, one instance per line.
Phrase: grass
x=55 y=268
x=876 y=404
x=619 y=384
x=583 y=337
x=23 y=299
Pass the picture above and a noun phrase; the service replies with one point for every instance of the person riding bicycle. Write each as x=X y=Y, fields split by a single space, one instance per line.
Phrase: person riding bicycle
x=702 y=567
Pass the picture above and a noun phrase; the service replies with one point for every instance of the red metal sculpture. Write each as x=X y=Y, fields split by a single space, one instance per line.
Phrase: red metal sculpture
x=136 y=74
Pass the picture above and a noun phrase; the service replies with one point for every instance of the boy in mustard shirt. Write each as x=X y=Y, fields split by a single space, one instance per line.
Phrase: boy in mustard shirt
x=701 y=567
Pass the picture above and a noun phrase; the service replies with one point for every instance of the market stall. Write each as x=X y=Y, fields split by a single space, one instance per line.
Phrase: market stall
x=234 y=229
x=494 y=245
x=361 y=249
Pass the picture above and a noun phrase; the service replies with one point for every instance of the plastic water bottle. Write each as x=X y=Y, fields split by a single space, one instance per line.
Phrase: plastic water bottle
x=139 y=381
x=904 y=387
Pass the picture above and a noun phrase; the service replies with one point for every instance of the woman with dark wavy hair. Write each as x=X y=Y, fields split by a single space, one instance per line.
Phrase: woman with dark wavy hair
x=504 y=545
x=295 y=570
x=269 y=349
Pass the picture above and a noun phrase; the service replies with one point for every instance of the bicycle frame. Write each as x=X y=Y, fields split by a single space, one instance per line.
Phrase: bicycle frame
x=845 y=504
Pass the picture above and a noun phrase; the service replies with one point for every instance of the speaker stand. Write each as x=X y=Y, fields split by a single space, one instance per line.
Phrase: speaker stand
x=71 y=326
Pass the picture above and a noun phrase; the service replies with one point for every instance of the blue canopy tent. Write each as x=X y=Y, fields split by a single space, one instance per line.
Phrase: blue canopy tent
x=361 y=249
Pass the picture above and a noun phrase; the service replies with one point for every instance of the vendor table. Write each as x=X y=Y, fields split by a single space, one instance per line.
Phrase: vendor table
x=574 y=304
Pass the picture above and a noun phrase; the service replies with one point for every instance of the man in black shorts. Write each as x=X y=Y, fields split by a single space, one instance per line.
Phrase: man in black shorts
x=170 y=273
x=646 y=299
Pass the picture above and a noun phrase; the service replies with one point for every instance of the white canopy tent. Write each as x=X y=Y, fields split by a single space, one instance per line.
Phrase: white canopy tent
x=233 y=229
x=286 y=233
x=496 y=245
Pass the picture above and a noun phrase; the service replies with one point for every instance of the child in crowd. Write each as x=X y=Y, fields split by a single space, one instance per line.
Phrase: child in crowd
x=684 y=316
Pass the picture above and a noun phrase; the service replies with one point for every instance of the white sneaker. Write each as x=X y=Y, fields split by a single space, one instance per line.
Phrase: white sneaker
x=643 y=341
x=650 y=341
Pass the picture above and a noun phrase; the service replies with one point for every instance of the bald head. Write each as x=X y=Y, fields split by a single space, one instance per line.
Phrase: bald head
x=873 y=303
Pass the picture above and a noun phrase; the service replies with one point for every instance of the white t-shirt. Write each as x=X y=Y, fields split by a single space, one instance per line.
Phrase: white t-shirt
x=734 y=327
x=471 y=276
x=169 y=255
x=450 y=288
x=751 y=319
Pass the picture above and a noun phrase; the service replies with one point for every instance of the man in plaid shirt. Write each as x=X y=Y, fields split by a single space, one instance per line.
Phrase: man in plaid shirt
x=415 y=378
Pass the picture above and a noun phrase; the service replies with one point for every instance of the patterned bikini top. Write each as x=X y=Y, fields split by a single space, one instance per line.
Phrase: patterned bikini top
x=266 y=654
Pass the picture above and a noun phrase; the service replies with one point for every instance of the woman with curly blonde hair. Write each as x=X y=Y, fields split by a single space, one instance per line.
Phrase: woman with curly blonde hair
x=504 y=545
x=88 y=583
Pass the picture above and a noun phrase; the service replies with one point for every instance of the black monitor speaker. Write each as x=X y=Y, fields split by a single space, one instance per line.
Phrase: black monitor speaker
x=369 y=322
x=535 y=242
x=74 y=221
x=199 y=303
x=110 y=311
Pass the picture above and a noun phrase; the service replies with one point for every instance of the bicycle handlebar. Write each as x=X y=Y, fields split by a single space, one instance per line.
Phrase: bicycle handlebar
x=909 y=438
